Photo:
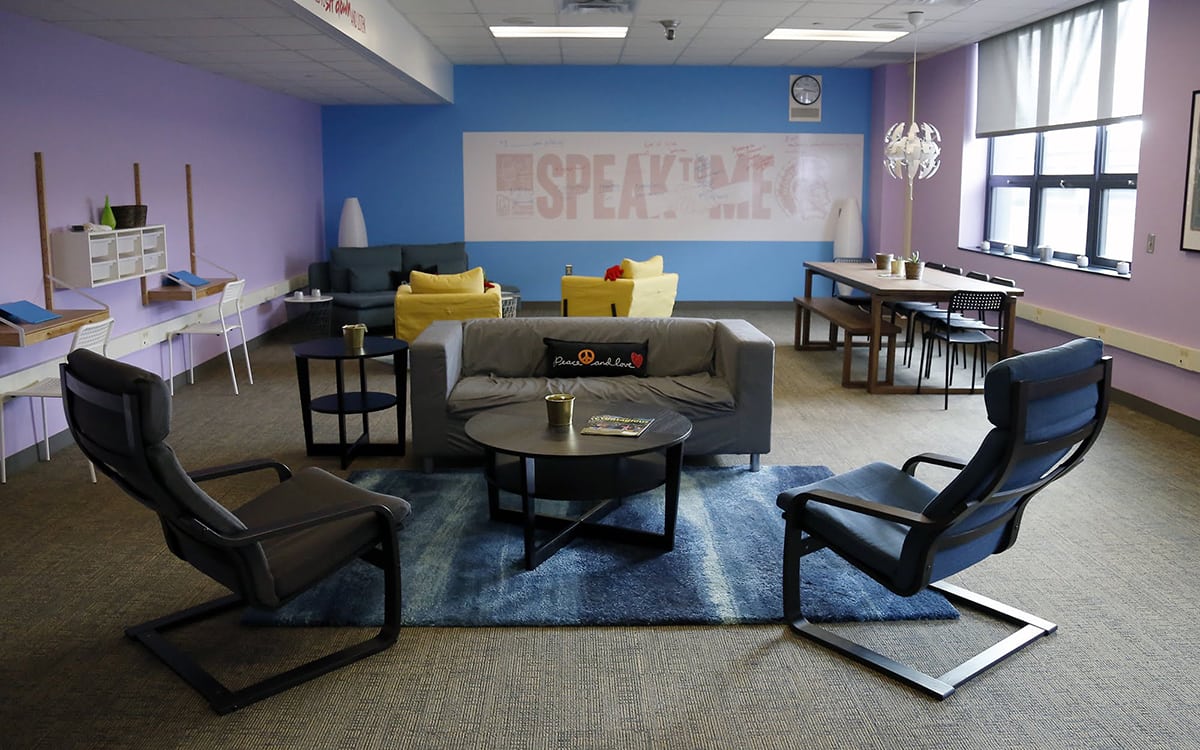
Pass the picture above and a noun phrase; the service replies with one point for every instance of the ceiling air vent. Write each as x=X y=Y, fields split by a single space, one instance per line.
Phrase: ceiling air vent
x=597 y=6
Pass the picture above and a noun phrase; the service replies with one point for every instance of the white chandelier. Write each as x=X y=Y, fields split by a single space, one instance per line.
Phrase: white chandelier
x=912 y=150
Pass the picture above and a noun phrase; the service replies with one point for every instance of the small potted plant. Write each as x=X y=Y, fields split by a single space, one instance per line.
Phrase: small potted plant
x=914 y=267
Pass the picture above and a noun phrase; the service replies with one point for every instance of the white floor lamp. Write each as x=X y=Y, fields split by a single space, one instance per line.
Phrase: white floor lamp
x=352 y=229
x=847 y=236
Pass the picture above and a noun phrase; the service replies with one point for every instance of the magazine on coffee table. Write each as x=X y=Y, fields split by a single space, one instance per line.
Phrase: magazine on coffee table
x=609 y=424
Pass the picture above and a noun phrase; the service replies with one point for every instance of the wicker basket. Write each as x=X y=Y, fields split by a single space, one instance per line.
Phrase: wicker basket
x=129 y=217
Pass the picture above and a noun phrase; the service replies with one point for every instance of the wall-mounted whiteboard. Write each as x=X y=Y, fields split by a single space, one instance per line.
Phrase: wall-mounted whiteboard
x=657 y=186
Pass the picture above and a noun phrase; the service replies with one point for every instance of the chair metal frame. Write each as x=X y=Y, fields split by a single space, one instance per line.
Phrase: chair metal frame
x=151 y=634
x=230 y=295
x=92 y=336
x=799 y=542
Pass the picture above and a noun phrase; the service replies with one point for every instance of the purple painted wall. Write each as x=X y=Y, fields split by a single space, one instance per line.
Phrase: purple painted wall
x=93 y=109
x=1154 y=301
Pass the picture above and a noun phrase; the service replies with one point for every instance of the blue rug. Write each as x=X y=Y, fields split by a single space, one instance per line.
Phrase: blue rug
x=460 y=569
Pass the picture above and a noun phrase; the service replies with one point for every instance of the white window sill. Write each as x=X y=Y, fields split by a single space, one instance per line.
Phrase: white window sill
x=1063 y=264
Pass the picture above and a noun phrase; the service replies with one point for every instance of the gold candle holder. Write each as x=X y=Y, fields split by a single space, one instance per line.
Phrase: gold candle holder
x=559 y=409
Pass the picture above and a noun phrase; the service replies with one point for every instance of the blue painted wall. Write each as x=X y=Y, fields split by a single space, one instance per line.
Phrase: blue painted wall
x=405 y=163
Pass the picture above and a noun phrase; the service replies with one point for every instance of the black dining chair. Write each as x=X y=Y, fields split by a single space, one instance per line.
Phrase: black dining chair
x=266 y=551
x=849 y=294
x=960 y=331
x=1046 y=409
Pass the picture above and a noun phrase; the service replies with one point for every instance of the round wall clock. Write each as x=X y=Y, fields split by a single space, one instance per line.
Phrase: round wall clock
x=806 y=89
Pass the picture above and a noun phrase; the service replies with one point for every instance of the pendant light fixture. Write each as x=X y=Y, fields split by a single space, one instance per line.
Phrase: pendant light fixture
x=912 y=149
x=912 y=155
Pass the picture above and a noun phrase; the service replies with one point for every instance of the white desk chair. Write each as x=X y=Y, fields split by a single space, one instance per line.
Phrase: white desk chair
x=230 y=304
x=93 y=336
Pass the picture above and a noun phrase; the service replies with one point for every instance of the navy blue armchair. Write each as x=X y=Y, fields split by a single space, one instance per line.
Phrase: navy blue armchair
x=1046 y=409
x=267 y=551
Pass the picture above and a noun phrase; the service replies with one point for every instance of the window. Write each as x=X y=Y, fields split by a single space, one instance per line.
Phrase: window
x=1073 y=190
x=1060 y=104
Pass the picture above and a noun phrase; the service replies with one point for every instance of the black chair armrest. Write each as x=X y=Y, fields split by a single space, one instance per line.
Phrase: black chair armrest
x=291 y=525
x=937 y=459
x=867 y=507
x=228 y=470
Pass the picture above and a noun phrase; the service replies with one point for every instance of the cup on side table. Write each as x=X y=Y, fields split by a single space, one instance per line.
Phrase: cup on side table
x=559 y=408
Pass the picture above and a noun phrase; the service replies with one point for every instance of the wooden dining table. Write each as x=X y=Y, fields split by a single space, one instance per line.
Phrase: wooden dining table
x=933 y=286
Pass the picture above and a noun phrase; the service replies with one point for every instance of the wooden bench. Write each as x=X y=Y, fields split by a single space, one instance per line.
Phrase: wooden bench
x=853 y=321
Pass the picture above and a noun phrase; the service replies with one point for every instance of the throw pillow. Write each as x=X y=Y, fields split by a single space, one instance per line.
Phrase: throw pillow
x=370 y=279
x=575 y=359
x=632 y=269
x=612 y=273
x=402 y=277
x=447 y=283
x=451 y=257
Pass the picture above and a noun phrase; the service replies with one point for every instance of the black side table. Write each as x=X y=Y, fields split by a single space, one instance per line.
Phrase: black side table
x=362 y=401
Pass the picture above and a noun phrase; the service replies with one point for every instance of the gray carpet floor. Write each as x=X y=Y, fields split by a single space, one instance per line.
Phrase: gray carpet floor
x=1108 y=553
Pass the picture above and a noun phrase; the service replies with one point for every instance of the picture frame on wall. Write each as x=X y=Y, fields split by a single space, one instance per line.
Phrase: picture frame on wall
x=1190 y=237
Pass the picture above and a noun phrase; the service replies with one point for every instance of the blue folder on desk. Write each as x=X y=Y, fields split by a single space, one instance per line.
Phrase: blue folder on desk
x=185 y=277
x=24 y=311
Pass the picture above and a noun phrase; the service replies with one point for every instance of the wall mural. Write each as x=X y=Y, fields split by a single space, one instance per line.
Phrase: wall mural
x=750 y=187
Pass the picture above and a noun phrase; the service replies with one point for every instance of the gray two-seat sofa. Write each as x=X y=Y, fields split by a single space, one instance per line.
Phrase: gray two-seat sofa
x=717 y=373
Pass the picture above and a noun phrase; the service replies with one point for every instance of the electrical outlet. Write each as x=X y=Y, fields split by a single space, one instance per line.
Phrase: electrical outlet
x=1150 y=243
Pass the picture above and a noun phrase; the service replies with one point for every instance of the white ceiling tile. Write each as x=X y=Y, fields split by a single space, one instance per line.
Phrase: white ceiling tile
x=277 y=26
x=310 y=43
x=340 y=54
x=426 y=21
x=265 y=57
x=184 y=27
x=279 y=47
x=228 y=43
x=456 y=34
x=354 y=67
x=780 y=8
x=672 y=8
x=538 y=19
x=51 y=10
x=449 y=6
x=99 y=27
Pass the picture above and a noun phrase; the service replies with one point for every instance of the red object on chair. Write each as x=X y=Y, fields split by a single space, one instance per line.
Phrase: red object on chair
x=613 y=273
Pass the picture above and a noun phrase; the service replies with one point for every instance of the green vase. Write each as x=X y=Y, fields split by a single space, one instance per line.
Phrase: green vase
x=106 y=216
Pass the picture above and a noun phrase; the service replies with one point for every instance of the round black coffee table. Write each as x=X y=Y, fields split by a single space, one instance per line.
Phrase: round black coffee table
x=524 y=455
x=360 y=401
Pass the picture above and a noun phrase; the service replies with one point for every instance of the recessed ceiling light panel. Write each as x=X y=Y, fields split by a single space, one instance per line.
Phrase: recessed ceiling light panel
x=832 y=35
x=559 y=32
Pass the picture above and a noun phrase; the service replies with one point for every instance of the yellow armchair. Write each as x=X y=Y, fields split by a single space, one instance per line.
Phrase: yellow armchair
x=447 y=297
x=643 y=291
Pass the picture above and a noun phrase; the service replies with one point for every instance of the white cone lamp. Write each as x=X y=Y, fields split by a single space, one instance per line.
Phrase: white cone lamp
x=911 y=150
x=352 y=229
x=847 y=235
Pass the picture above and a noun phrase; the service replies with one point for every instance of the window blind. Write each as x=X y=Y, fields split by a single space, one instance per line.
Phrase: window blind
x=1082 y=67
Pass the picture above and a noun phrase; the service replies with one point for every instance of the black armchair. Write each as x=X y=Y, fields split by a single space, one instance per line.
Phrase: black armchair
x=267 y=551
x=1046 y=408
